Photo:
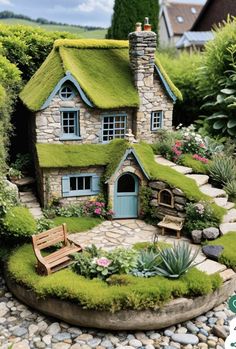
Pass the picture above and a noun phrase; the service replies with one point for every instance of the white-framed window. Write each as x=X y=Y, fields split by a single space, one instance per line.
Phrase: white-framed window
x=156 y=120
x=113 y=126
x=70 y=124
x=80 y=184
x=66 y=92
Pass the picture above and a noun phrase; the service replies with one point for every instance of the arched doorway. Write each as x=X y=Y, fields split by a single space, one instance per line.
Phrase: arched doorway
x=126 y=196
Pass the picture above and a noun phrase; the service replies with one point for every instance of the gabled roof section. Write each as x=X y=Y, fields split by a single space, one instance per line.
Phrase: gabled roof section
x=99 y=69
x=127 y=153
x=180 y=16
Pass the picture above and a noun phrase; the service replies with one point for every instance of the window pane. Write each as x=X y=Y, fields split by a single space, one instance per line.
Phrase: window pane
x=73 y=183
x=87 y=183
x=80 y=183
x=115 y=126
x=126 y=184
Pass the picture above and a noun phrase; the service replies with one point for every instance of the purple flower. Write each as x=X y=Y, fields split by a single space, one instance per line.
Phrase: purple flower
x=103 y=262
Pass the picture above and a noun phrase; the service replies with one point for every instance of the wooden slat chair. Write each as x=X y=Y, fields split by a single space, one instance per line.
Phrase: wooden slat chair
x=58 y=259
x=173 y=223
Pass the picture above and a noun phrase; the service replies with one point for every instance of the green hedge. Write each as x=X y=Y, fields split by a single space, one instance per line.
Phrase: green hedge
x=134 y=293
x=18 y=224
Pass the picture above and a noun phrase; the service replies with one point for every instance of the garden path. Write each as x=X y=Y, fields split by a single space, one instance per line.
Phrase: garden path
x=127 y=232
x=218 y=195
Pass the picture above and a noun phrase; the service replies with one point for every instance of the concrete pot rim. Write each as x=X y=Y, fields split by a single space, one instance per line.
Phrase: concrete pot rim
x=176 y=311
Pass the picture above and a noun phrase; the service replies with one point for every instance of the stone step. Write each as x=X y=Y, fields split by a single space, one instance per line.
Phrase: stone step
x=230 y=217
x=222 y=202
x=199 y=179
x=163 y=161
x=27 y=198
x=227 y=227
x=25 y=181
x=230 y=205
x=209 y=190
x=36 y=212
x=210 y=267
x=227 y=274
x=183 y=169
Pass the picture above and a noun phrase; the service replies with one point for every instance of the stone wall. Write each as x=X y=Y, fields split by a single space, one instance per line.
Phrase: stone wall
x=179 y=200
x=152 y=95
x=48 y=121
x=51 y=184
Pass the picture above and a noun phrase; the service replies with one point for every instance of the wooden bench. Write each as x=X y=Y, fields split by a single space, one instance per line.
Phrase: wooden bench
x=60 y=258
x=173 y=223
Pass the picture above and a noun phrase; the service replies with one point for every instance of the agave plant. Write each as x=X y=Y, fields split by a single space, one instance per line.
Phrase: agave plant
x=147 y=264
x=176 y=261
x=222 y=170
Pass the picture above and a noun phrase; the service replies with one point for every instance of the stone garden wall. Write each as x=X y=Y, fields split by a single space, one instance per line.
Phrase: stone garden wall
x=178 y=197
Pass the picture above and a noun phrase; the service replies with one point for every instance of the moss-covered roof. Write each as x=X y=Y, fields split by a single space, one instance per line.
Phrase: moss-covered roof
x=101 y=68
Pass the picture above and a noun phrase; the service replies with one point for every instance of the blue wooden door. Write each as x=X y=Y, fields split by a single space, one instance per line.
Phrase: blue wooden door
x=126 y=196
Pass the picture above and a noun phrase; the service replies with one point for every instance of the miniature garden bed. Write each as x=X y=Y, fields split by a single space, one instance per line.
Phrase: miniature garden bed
x=140 y=303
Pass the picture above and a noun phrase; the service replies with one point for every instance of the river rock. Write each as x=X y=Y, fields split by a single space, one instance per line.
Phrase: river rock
x=185 y=338
x=213 y=252
x=197 y=236
x=211 y=233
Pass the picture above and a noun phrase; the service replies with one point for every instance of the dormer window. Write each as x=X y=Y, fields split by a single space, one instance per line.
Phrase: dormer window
x=180 y=19
x=66 y=92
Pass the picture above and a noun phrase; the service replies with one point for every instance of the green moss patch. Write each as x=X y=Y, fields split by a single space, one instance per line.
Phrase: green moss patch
x=136 y=293
x=197 y=166
x=78 y=224
x=228 y=256
x=145 y=245
x=81 y=155
x=173 y=178
x=101 y=67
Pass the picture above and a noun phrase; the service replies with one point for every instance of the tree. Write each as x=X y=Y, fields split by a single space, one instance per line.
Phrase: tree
x=128 y=12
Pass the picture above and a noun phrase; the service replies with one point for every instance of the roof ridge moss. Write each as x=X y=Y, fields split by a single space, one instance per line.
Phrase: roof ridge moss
x=172 y=86
x=91 y=43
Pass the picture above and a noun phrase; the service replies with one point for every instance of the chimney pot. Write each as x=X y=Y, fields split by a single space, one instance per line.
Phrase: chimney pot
x=138 y=27
x=147 y=25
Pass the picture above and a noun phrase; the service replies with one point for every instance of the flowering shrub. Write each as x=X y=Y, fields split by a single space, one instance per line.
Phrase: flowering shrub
x=200 y=158
x=193 y=143
x=96 y=263
x=97 y=209
x=199 y=216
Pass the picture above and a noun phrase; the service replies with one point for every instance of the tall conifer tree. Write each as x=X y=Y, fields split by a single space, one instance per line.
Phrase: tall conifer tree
x=128 y=12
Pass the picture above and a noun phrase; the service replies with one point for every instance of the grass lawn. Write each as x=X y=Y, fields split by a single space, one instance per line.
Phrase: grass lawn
x=228 y=256
x=78 y=224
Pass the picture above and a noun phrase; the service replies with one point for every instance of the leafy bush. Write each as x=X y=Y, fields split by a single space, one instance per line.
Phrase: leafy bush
x=96 y=263
x=74 y=210
x=222 y=170
x=8 y=197
x=145 y=198
x=200 y=216
x=176 y=261
x=147 y=263
x=18 y=224
x=44 y=224
x=22 y=162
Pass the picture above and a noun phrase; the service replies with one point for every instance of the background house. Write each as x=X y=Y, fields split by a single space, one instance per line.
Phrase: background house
x=175 y=19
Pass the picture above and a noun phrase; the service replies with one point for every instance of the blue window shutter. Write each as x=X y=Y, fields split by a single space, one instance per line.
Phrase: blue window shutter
x=96 y=184
x=65 y=186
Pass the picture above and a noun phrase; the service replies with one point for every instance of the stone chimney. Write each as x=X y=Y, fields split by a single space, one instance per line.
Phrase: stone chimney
x=142 y=47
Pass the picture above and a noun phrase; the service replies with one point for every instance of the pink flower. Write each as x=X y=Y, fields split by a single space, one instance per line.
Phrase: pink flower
x=98 y=211
x=200 y=158
x=103 y=262
x=178 y=144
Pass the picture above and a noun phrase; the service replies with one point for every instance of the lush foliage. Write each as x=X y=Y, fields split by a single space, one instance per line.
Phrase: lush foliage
x=96 y=263
x=133 y=293
x=197 y=166
x=18 y=224
x=147 y=263
x=176 y=261
x=230 y=189
x=127 y=13
x=228 y=256
x=222 y=170
x=200 y=216
x=8 y=198
x=44 y=224
x=77 y=224
x=217 y=80
x=183 y=70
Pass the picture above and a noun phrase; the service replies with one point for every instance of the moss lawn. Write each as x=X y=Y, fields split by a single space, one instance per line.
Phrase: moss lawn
x=78 y=224
x=137 y=293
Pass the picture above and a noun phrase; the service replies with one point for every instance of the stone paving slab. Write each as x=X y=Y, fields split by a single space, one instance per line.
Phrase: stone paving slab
x=213 y=192
x=222 y=202
x=183 y=169
x=163 y=161
x=227 y=274
x=199 y=179
x=227 y=227
x=229 y=205
x=211 y=267
x=230 y=217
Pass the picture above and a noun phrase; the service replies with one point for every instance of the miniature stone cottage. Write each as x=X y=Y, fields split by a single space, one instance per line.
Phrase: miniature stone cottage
x=85 y=96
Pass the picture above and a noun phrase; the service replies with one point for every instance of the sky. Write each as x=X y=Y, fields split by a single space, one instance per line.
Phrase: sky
x=83 y=12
